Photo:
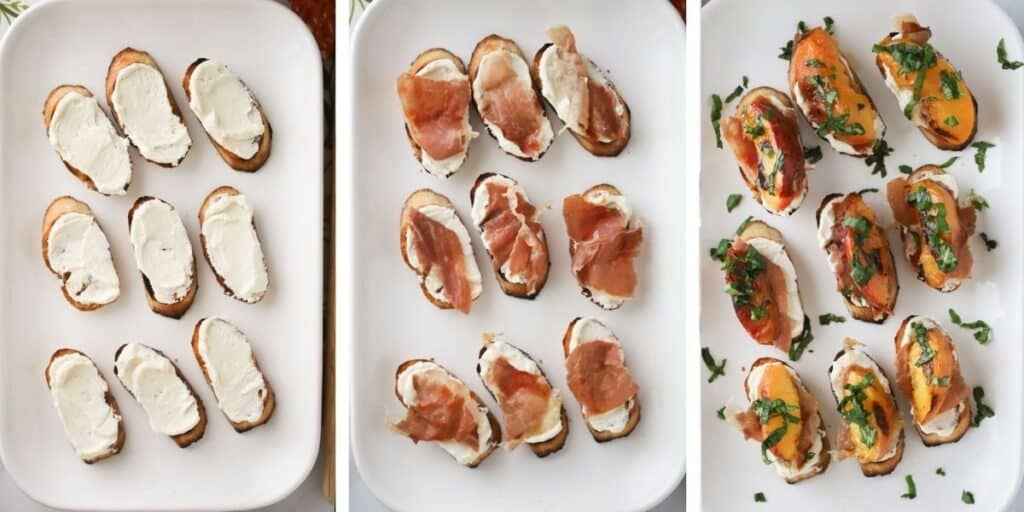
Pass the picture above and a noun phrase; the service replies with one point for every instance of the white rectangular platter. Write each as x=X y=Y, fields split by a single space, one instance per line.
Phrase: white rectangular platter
x=987 y=461
x=62 y=42
x=393 y=322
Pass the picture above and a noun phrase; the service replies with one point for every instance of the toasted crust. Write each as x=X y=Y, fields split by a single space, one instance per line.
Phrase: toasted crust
x=514 y=289
x=543 y=448
x=418 y=199
x=48 y=109
x=495 y=438
x=269 y=401
x=490 y=44
x=634 y=409
x=257 y=160
x=185 y=439
x=57 y=209
x=825 y=455
x=119 y=442
x=963 y=421
x=611 y=190
x=179 y=308
x=592 y=145
x=230 y=191
x=120 y=61
x=417 y=64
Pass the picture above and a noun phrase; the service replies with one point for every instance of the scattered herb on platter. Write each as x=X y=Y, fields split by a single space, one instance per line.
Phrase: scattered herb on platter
x=10 y=9
x=983 y=409
x=721 y=413
x=732 y=202
x=786 y=51
x=716 y=118
x=759 y=497
x=718 y=253
x=829 y=318
x=743 y=225
x=877 y=158
x=869 y=190
x=990 y=243
x=812 y=154
x=950 y=162
x=911 y=489
x=977 y=201
x=982 y=148
x=717 y=370
x=829 y=25
x=967 y=497
x=940 y=472
x=738 y=90
x=1003 y=59
x=906 y=169
x=798 y=345
x=982 y=331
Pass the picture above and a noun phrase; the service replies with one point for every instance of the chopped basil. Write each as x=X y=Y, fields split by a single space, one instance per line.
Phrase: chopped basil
x=718 y=253
x=717 y=370
x=829 y=25
x=906 y=169
x=933 y=220
x=738 y=90
x=869 y=190
x=743 y=225
x=941 y=382
x=982 y=148
x=786 y=52
x=876 y=160
x=911 y=489
x=990 y=243
x=940 y=472
x=799 y=344
x=911 y=58
x=812 y=154
x=967 y=497
x=759 y=497
x=983 y=410
x=982 y=331
x=829 y=318
x=851 y=408
x=801 y=26
x=721 y=413
x=732 y=202
x=832 y=122
x=814 y=63
x=948 y=163
x=1003 y=59
x=765 y=410
x=977 y=201
x=950 y=84
x=716 y=118
x=921 y=339
x=952 y=121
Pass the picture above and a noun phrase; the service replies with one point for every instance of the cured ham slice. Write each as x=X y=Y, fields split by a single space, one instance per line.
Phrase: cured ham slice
x=510 y=228
x=604 y=244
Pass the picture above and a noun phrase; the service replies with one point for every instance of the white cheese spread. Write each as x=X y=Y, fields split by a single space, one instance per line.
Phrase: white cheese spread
x=231 y=367
x=233 y=247
x=78 y=250
x=144 y=110
x=226 y=107
x=163 y=252
x=79 y=394
x=153 y=381
x=85 y=139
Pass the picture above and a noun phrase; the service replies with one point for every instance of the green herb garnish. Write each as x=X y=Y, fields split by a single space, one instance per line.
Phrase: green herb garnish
x=833 y=123
x=851 y=408
x=1003 y=59
x=982 y=331
x=829 y=22
x=952 y=121
x=10 y=9
x=876 y=160
x=717 y=370
x=982 y=148
x=967 y=497
x=983 y=410
x=721 y=413
x=829 y=318
x=921 y=339
x=737 y=91
x=911 y=58
x=948 y=163
x=759 y=497
x=990 y=243
x=732 y=202
x=812 y=154
x=906 y=169
x=869 y=190
x=716 y=118
x=718 y=253
x=950 y=84
x=799 y=344
x=766 y=409
x=977 y=201
x=814 y=63
x=786 y=52
x=933 y=220
x=911 y=489
x=940 y=472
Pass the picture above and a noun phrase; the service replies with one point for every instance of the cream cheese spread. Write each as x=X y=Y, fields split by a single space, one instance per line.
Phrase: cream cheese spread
x=163 y=252
x=231 y=367
x=86 y=140
x=143 y=108
x=78 y=250
x=233 y=247
x=79 y=394
x=226 y=107
x=153 y=381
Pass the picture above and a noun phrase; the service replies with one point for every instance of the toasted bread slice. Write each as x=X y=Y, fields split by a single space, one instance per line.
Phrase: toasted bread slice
x=824 y=454
x=183 y=439
x=269 y=400
x=115 y=447
x=632 y=405
x=256 y=161
x=494 y=346
x=121 y=60
x=50 y=107
x=178 y=307
x=608 y=146
x=417 y=200
x=516 y=289
x=70 y=277
x=544 y=134
x=495 y=427
x=260 y=287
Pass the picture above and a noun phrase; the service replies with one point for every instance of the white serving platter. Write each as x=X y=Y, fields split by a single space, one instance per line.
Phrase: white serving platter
x=642 y=48
x=64 y=41
x=987 y=461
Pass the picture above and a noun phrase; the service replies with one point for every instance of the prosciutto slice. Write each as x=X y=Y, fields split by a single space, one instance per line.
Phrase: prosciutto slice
x=438 y=247
x=597 y=104
x=435 y=112
x=510 y=104
x=439 y=414
x=605 y=246
x=523 y=398
x=598 y=377
x=513 y=235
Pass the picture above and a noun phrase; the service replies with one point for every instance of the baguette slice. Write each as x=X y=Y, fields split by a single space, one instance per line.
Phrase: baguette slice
x=496 y=348
x=497 y=120
x=73 y=283
x=602 y=99
x=115 y=447
x=436 y=292
x=184 y=439
x=236 y=162
x=178 y=307
x=487 y=445
x=530 y=281
x=256 y=288
x=200 y=338
x=946 y=357
x=53 y=100
x=121 y=60
x=631 y=407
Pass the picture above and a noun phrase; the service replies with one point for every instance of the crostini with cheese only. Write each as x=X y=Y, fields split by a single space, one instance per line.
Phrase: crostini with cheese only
x=231 y=244
x=230 y=368
x=86 y=408
x=163 y=254
x=77 y=251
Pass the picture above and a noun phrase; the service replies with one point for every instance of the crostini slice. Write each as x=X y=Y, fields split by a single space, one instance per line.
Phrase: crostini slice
x=831 y=96
x=163 y=254
x=600 y=380
x=230 y=368
x=435 y=245
x=76 y=250
x=604 y=242
x=940 y=103
x=229 y=113
x=585 y=100
x=761 y=281
x=928 y=375
x=144 y=108
x=86 y=408
x=872 y=430
x=506 y=100
x=441 y=408
x=435 y=94
x=231 y=244
x=172 y=406
x=936 y=224
x=786 y=419
x=510 y=228
x=859 y=255
x=532 y=408
x=86 y=141
x=765 y=139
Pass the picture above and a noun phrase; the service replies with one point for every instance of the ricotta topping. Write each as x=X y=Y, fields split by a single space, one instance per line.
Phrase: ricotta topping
x=231 y=367
x=79 y=394
x=233 y=247
x=775 y=253
x=447 y=218
x=163 y=252
x=501 y=349
x=85 y=138
x=463 y=453
x=444 y=69
x=586 y=330
x=143 y=107
x=226 y=107
x=78 y=250
x=153 y=381
x=522 y=71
